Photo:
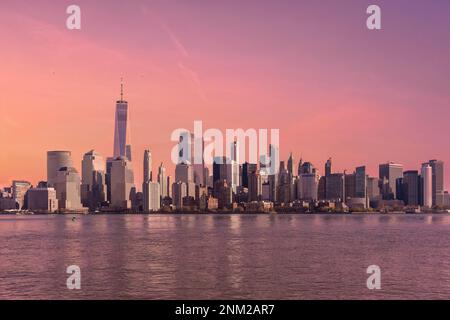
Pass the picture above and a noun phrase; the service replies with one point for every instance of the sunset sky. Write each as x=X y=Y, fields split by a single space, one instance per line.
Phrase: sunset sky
x=310 y=68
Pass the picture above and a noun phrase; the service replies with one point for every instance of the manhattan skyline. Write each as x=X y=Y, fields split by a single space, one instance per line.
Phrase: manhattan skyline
x=332 y=87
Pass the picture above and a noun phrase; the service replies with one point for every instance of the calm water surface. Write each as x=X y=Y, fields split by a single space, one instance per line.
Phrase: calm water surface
x=225 y=256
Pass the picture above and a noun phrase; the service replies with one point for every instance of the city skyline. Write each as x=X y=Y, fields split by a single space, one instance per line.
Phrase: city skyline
x=330 y=85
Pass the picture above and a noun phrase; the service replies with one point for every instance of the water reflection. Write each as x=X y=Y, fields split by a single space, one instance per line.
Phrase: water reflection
x=225 y=256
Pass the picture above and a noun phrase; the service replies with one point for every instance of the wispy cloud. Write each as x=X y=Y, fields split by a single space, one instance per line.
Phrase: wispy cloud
x=181 y=49
x=182 y=61
x=193 y=77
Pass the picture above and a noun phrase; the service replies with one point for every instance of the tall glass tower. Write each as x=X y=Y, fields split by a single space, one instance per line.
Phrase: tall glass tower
x=121 y=128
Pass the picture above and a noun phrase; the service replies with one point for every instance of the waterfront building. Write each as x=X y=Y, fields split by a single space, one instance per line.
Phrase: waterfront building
x=93 y=180
x=67 y=186
x=373 y=189
x=273 y=182
x=162 y=180
x=179 y=192
x=7 y=202
x=290 y=165
x=247 y=168
x=357 y=204
x=220 y=169
x=212 y=203
x=147 y=177
x=224 y=194
x=254 y=186
x=335 y=187
x=265 y=191
x=391 y=172
x=307 y=188
x=55 y=161
x=42 y=200
x=350 y=185
x=410 y=188
x=427 y=185
x=361 y=182
x=109 y=162
x=437 y=168
x=306 y=168
x=153 y=197
x=122 y=184
x=232 y=174
x=184 y=172
x=328 y=167
x=19 y=192
x=322 y=188
x=208 y=178
x=191 y=188
x=198 y=161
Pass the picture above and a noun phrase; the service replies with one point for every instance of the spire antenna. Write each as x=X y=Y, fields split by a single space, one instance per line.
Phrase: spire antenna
x=121 y=89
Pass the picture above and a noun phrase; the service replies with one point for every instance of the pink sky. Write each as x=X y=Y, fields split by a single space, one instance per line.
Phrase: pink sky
x=313 y=70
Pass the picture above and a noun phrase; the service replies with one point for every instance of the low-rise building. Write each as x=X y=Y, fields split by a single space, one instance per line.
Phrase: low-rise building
x=42 y=199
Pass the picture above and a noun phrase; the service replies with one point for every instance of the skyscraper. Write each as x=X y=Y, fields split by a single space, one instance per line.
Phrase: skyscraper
x=373 y=189
x=322 y=188
x=55 y=161
x=437 y=168
x=306 y=168
x=361 y=182
x=254 y=186
x=234 y=152
x=153 y=196
x=93 y=180
x=299 y=168
x=391 y=172
x=274 y=154
x=328 y=167
x=233 y=168
x=247 y=168
x=67 y=186
x=410 y=187
x=307 y=188
x=272 y=171
x=335 y=187
x=223 y=193
x=350 y=185
x=109 y=162
x=184 y=172
x=179 y=191
x=199 y=161
x=147 y=165
x=220 y=169
x=290 y=165
x=122 y=184
x=121 y=146
x=162 y=180
x=427 y=185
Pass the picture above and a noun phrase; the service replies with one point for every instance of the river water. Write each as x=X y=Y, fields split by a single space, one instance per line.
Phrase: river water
x=225 y=256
